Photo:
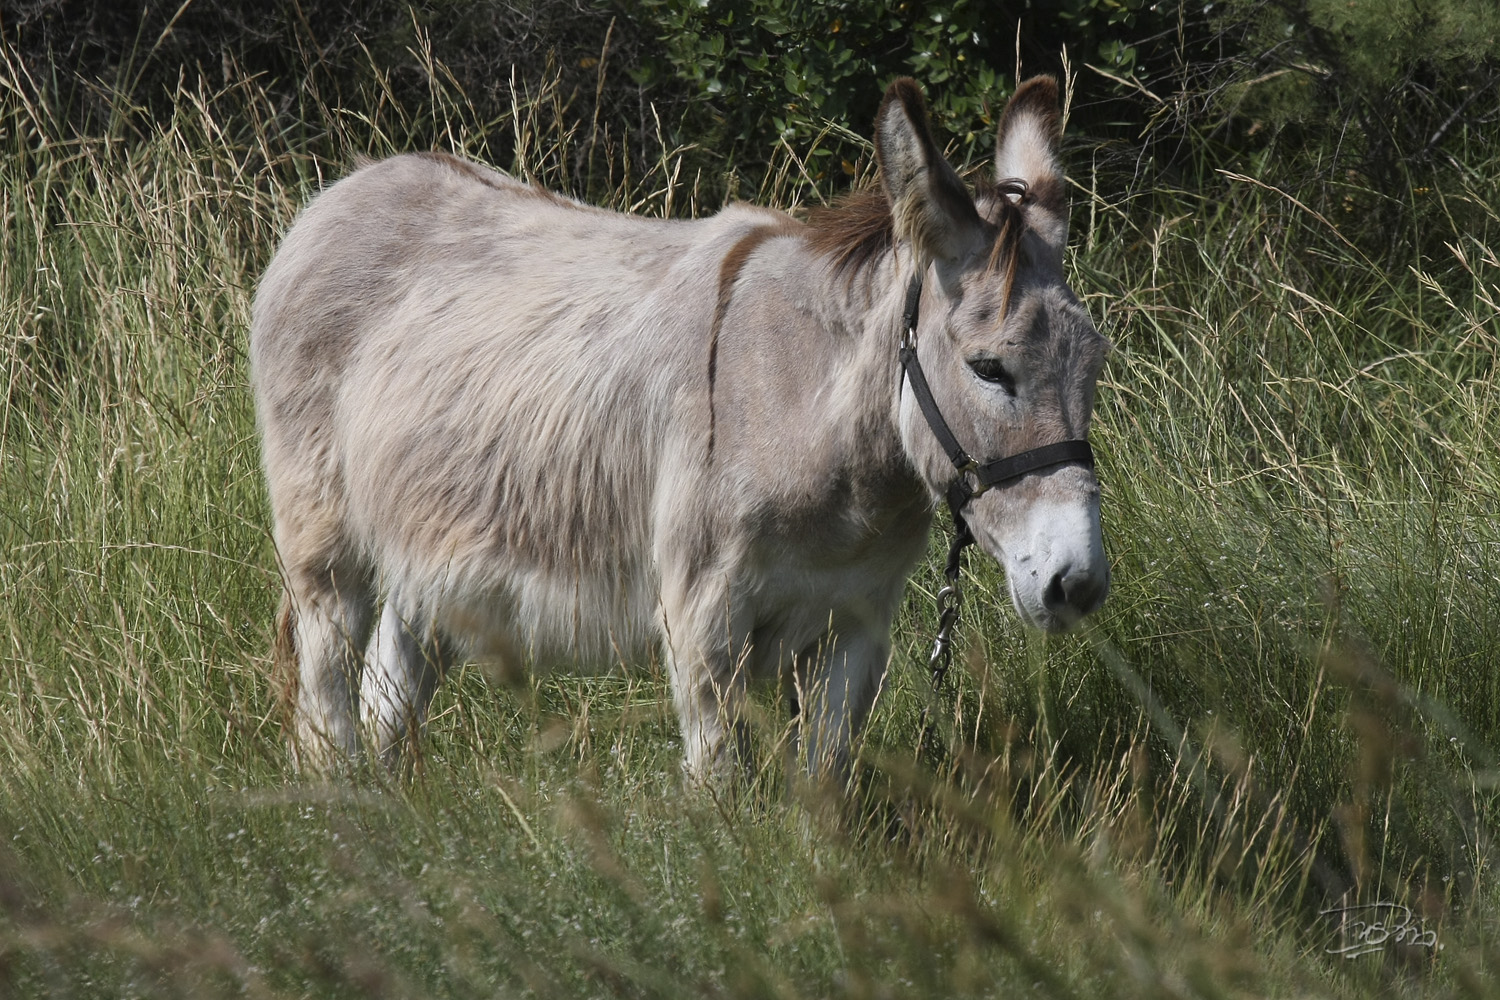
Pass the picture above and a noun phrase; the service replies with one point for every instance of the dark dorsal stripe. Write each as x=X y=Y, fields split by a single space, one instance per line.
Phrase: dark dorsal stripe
x=729 y=272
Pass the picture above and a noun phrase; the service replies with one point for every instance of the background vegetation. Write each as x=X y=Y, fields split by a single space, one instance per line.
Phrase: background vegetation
x=1284 y=215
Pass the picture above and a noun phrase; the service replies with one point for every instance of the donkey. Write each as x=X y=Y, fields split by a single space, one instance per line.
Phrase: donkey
x=499 y=423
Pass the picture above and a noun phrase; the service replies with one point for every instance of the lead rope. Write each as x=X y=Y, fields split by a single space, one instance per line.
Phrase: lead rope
x=949 y=601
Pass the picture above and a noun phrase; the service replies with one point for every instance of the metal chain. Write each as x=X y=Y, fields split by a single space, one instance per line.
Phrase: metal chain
x=949 y=600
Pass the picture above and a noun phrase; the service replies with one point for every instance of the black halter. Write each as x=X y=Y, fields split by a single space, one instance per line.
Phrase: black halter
x=1001 y=470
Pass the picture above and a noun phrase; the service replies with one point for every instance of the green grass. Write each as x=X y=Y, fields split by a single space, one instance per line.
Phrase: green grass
x=1291 y=699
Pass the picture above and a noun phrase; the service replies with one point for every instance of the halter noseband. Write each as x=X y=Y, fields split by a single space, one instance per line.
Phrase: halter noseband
x=987 y=474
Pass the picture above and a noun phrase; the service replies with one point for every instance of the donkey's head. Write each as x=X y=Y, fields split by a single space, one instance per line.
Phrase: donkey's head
x=1010 y=357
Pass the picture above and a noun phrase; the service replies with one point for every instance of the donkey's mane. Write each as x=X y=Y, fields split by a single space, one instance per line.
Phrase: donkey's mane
x=859 y=227
x=853 y=230
x=993 y=199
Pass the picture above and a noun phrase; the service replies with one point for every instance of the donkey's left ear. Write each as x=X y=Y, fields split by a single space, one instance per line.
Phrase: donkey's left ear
x=932 y=209
x=1029 y=139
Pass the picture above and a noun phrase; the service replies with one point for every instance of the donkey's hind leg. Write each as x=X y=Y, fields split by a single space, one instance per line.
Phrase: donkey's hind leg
x=401 y=673
x=333 y=612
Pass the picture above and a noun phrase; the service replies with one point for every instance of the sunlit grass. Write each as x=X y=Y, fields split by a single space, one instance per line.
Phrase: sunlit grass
x=1289 y=702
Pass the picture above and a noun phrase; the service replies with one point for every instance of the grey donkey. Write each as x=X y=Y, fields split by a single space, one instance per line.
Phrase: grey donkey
x=502 y=424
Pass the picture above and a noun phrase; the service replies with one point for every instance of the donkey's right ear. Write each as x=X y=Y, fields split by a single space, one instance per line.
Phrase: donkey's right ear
x=930 y=206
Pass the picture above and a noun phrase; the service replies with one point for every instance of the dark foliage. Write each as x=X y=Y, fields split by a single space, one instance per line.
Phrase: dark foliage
x=1325 y=99
x=87 y=55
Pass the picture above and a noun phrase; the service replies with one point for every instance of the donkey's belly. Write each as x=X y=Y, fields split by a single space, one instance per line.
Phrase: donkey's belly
x=535 y=620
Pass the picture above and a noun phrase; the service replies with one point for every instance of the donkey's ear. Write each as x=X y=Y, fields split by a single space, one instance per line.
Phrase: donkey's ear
x=1030 y=135
x=932 y=209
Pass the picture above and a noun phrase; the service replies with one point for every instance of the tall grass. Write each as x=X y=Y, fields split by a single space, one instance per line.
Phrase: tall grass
x=1289 y=704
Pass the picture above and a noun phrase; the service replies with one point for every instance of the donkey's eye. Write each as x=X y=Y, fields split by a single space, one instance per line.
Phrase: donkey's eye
x=991 y=370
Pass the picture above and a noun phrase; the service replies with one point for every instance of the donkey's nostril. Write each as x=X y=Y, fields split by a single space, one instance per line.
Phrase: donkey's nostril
x=1055 y=596
x=1087 y=593
x=1079 y=591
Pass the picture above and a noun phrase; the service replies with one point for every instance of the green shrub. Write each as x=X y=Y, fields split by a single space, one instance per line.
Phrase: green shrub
x=774 y=70
x=771 y=71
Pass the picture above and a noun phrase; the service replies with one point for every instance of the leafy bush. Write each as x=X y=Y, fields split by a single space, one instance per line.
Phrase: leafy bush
x=1402 y=73
x=777 y=70
x=769 y=71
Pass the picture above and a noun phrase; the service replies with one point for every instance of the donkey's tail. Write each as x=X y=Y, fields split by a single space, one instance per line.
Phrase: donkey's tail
x=284 y=673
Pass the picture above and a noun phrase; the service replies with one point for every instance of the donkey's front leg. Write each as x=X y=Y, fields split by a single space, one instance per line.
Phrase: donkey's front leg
x=709 y=695
x=837 y=680
x=707 y=663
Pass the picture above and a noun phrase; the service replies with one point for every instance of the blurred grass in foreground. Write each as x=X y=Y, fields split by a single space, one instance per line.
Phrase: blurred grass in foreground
x=1290 y=702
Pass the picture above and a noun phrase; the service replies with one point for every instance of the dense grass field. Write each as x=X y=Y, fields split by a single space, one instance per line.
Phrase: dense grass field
x=1290 y=704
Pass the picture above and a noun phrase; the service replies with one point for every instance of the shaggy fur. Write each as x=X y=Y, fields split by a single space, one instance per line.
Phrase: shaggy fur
x=498 y=423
